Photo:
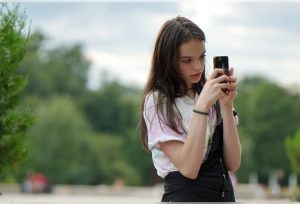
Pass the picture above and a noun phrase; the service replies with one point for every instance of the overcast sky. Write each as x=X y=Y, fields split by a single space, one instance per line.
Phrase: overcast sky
x=259 y=38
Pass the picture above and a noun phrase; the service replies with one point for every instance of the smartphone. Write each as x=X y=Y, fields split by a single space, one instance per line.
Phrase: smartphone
x=222 y=63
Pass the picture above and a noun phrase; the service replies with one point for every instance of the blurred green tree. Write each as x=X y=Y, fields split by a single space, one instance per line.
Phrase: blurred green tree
x=58 y=70
x=112 y=113
x=293 y=151
x=58 y=140
x=14 y=121
x=115 y=109
x=267 y=114
x=67 y=151
x=115 y=102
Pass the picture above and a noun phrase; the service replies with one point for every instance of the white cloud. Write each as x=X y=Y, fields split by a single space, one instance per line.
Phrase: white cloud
x=258 y=37
x=248 y=33
x=117 y=37
x=126 y=67
x=204 y=12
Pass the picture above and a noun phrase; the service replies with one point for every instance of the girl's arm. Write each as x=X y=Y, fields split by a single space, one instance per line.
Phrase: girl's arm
x=231 y=142
x=188 y=156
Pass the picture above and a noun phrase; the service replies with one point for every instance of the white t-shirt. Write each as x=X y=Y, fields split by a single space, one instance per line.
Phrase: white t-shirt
x=158 y=131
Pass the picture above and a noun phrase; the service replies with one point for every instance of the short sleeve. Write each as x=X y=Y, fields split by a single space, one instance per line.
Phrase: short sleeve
x=158 y=131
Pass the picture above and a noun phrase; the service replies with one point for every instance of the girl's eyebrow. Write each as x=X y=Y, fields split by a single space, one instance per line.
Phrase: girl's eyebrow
x=190 y=56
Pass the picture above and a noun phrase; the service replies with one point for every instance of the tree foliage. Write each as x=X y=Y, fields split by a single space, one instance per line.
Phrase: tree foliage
x=268 y=113
x=293 y=150
x=68 y=151
x=14 y=121
x=59 y=70
x=112 y=101
x=81 y=136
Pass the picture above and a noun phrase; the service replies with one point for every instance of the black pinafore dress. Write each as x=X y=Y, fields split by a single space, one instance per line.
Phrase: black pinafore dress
x=212 y=184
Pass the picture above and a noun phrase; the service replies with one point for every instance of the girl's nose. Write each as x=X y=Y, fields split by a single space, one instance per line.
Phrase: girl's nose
x=199 y=64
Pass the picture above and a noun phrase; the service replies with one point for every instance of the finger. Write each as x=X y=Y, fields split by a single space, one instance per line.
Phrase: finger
x=232 y=86
x=231 y=71
x=222 y=86
x=221 y=79
x=231 y=89
x=231 y=79
x=216 y=72
x=231 y=93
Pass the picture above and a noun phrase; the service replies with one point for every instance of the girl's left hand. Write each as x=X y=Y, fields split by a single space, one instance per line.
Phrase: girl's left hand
x=227 y=99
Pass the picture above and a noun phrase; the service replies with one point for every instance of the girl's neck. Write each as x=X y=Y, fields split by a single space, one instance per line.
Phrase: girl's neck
x=191 y=93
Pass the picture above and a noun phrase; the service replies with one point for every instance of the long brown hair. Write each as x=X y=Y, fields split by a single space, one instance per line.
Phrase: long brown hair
x=164 y=76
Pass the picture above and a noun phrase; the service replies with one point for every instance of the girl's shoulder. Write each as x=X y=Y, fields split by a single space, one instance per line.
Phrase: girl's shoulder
x=155 y=98
x=151 y=95
x=151 y=99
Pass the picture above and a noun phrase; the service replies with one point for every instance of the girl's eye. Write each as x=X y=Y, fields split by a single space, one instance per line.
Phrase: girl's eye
x=186 y=61
x=203 y=56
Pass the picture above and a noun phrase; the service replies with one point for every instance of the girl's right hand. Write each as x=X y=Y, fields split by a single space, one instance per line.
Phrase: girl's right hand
x=212 y=90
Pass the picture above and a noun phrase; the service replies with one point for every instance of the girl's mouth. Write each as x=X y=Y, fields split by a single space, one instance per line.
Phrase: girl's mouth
x=196 y=75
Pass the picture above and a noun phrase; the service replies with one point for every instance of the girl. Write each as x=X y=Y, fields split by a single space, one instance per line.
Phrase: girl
x=188 y=122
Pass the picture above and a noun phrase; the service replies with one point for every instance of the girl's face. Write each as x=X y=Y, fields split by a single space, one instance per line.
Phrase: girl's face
x=192 y=60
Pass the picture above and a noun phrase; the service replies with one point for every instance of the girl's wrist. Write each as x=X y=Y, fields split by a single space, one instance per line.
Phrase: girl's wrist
x=226 y=108
x=202 y=107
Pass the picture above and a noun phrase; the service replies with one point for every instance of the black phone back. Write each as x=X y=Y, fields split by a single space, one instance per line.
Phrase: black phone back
x=222 y=63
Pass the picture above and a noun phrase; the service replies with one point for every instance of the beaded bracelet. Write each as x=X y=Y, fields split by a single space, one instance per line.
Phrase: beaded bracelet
x=200 y=112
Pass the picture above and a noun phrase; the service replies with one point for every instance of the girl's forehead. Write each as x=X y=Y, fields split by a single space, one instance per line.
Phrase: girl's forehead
x=192 y=47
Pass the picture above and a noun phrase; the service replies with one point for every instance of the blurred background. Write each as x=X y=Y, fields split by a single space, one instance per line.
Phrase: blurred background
x=72 y=76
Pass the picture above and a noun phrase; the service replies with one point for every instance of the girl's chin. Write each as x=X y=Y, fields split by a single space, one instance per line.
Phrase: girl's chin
x=194 y=81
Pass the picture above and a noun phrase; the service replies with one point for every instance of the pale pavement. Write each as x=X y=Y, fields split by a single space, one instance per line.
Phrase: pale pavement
x=104 y=194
